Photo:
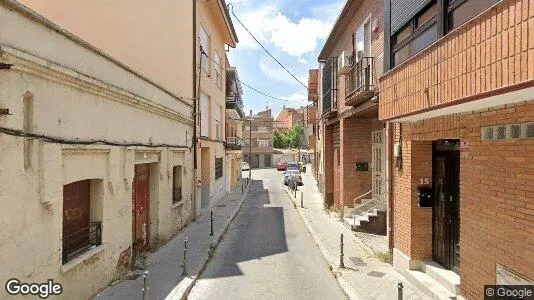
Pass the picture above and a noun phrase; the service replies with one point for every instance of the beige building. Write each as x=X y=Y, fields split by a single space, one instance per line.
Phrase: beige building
x=215 y=32
x=233 y=127
x=258 y=135
x=95 y=159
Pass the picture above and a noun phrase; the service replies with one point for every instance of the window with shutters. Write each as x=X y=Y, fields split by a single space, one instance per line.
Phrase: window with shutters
x=204 y=115
x=205 y=43
x=218 y=168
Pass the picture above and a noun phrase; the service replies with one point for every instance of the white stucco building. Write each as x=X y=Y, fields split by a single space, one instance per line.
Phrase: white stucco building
x=69 y=209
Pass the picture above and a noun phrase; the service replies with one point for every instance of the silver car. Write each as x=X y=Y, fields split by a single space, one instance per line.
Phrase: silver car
x=287 y=177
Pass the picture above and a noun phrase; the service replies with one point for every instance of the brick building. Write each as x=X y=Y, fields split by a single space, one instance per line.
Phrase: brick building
x=259 y=131
x=459 y=93
x=288 y=117
x=352 y=167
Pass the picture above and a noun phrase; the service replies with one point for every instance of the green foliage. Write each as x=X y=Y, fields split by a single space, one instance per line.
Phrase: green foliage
x=291 y=138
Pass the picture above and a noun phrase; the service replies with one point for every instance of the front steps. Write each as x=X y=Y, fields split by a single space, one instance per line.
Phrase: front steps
x=369 y=222
x=434 y=280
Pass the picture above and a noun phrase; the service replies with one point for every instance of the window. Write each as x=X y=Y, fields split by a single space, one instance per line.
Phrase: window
x=176 y=184
x=206 y=47
x=218 y=69
x=262 y=128
x=218 y=117
x=362 y=45
x=247 y=128
x=82 y=218
x=263 y=144
x=204 y=114
x=416 y=35
x=218 y=168
x=461 y=11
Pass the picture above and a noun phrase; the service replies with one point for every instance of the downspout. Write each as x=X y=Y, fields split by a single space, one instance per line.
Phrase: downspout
x=195 y=97
x=391 y=178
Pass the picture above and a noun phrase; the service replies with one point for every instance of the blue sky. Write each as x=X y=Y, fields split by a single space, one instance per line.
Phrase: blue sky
x=294 y=31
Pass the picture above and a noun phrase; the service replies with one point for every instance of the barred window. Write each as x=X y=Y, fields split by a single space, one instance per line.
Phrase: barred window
x=218 y=168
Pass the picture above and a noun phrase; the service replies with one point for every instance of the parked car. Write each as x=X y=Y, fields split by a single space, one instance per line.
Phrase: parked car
x=292 y=166
x=282 y=166
x=287 y=177
x=245 y=166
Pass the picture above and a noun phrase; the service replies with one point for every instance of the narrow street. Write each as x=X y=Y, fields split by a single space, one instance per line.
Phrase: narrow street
x=267 y=252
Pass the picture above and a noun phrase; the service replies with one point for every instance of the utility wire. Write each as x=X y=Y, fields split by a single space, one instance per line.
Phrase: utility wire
x=65 y=141
x=263 y=47
x=251 y=87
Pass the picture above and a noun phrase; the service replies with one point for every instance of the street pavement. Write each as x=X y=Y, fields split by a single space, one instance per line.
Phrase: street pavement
x=267 y=253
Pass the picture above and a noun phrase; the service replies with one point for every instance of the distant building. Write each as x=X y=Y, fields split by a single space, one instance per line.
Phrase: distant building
x=258 y=135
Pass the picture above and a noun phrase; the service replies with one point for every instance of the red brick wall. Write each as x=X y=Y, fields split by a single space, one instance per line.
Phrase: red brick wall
x=355 y=147
x=496 y=195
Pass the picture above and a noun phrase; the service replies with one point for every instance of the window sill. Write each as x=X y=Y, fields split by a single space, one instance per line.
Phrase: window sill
x=79 y=259
x=178 y=204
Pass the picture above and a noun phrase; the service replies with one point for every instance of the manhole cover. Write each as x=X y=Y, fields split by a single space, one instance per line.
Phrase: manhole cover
x=376 y=274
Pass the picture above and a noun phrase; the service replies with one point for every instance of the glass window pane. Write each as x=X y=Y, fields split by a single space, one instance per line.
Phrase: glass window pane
x=468 y=10
x=402 y=55
x=427 y=15
x=403 y=34
x=424 y=39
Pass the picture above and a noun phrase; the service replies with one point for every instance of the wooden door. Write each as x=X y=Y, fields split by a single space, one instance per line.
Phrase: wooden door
x=76 y=217
x=141 y=208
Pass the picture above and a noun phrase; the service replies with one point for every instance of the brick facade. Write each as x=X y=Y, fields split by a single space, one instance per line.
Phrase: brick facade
x=496 y=195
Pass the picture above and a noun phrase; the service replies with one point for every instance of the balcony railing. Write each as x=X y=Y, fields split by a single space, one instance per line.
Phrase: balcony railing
x=82 y=240
x=234 y=143
x=235 y=102
x=359 y=81
x=260 y=144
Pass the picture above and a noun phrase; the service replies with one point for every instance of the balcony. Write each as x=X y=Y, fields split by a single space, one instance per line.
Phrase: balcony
x=234 y=101
x=81 y=241
x=234 y=143
x=329 y=84
x=359 y=82
x=234 y=107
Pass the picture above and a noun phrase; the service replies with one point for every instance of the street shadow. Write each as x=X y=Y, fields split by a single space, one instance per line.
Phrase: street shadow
x=258 y=231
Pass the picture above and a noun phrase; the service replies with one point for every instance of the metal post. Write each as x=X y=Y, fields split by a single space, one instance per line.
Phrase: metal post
x=211 y=216
x=295 y=187
x=341 y=264
x=145 y=285
x=184 y=270
x=301 y=198
x=249 y=148
x=399 y=290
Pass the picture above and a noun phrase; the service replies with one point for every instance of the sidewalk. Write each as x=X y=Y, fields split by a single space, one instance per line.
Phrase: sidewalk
x=165 y=265
x=364 y=275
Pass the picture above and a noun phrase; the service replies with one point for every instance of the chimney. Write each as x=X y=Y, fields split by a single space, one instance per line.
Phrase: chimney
x=250 y=115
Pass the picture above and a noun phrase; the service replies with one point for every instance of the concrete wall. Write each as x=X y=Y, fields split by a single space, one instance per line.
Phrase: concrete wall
x=92 y=98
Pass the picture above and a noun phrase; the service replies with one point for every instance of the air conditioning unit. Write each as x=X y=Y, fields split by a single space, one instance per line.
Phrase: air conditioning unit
x=343 y=62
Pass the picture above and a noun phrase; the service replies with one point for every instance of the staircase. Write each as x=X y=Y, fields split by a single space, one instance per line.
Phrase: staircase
x=435 y=281
x=369 y=216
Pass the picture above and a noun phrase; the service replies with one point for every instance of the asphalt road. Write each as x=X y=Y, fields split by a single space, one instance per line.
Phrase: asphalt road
x=267 y=252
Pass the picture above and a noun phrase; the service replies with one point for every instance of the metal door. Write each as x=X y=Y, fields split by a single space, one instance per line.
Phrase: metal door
x=140 y=208
x=446 y=165
x=378 y=165
x=76 y=205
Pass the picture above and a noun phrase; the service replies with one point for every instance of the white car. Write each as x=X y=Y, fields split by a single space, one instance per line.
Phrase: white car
x=245 y=166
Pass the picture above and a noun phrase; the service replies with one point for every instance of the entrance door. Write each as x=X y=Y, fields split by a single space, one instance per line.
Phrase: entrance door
x=378 y=164
x=446 y=212
x=140 y=208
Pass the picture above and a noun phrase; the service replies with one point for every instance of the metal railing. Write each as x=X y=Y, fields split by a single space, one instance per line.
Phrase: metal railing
x=329 y=85
x=234 y=143
x=82 y=240
x=360 y=76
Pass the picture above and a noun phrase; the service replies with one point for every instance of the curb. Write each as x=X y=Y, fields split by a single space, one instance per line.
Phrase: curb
x=182 y=290
x=347 y=289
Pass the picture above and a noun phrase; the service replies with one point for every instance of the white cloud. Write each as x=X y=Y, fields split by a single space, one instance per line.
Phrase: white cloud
x=297 y=97
x=302 y=60
x=270 y=26
x=275 y=72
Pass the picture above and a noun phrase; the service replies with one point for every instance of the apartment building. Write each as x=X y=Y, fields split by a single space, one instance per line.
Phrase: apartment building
x=234 y=127
x=215 y=32
x=288 y=117
x=258 y=135
x=459 y=93
x=96 y=164
x=353 y=172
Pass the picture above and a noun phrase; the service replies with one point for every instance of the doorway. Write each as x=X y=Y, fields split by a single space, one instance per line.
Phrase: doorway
x=141 y=208
x=446 y=212
x=378 y=166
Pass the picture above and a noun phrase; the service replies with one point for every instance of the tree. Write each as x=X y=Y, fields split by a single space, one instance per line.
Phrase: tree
x=290 y=138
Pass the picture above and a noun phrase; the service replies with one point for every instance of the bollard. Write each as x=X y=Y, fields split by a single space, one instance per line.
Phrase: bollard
x=295 y=188
x=211 y=216
x=302 y=199
x=184 y=271
x=145 y=285
x=399 y=290
x=341 y=264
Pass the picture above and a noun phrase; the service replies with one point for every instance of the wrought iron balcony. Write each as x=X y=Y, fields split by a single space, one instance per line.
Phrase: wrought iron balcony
x=81 y=241
x=235 y=104
x=359 y=82
x=235 y=143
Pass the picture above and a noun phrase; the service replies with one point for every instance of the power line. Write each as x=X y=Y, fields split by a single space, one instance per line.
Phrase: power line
x=265 y=49
x=251 y=87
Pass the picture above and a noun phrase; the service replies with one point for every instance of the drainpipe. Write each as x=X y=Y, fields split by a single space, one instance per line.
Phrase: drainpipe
x=390 y=209
x=195 y=96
